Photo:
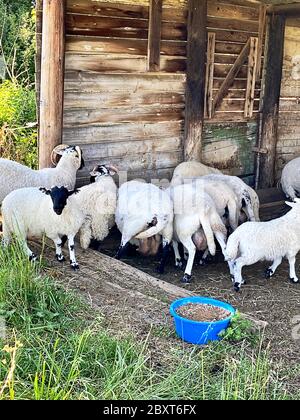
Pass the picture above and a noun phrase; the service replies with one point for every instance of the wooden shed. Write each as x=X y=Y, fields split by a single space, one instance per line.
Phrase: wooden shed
x=147 y=84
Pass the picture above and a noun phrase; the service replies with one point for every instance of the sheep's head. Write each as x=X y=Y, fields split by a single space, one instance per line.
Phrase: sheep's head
x=69 y=152
x=59 y=197
x=102 y=170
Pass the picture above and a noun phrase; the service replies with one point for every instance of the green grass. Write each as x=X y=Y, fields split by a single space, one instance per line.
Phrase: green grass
x=57 y=348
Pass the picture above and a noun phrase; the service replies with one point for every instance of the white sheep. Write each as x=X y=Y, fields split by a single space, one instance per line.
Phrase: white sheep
x=189 y=170
x=34 y=212
x=98 y=202
x=13 y=175
x=195 y=209
x=290 y=178
x=247 y=197
x=143 y=211
x=271 y=241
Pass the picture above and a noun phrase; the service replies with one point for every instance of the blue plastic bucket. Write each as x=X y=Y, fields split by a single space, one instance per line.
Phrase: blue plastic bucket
x=196 y=332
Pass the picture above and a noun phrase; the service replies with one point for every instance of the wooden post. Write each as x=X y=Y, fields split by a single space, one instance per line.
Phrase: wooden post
x=154 y=35
x=270 y=107
x=52 y=79
x=250 y=90
x=195 y=79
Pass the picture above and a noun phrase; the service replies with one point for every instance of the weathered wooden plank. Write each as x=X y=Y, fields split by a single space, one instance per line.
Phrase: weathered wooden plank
x=154 y=35
x=137 y=162
x=78 y=81
x=238 y=94
x=251 y=79
x=286 y=10
x=272 y=82
x=119 y=100
x=52 y=80
x=195 y=84
x=233 y=72
x=120 y=132
x=209 y=78
x=132 y=114
x=92 y=7
x=114 y=64
x=230 y=116
x=232 y=24
x=238 y=36
x=226 y=10
x=96 y=151
x=82 y=44
x=221 y=71
x=261 y=35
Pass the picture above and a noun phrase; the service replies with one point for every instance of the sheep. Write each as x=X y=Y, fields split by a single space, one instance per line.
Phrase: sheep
x=33 y=212
x=247 y=197
x=194 y=209
x=13 y=175
x=98 y=202
x=290 y=178
x=190 y=170
x=271 y=241
x=143 y=211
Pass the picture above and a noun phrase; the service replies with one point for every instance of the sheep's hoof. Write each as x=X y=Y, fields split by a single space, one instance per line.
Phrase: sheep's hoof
x=60 y=257
x=186 y=279
x=237 y=287
x=179 y=264
x=268 y=273
x=74 y=266
x=32 y=258
x=294 y=280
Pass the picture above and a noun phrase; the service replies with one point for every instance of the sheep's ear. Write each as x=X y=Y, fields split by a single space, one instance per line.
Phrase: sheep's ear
x=76 y=191
x=45 y=191
x=94 y=172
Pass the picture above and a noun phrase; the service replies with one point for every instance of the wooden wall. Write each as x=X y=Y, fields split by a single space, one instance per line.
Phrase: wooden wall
x=288 y=146
x=118 y=112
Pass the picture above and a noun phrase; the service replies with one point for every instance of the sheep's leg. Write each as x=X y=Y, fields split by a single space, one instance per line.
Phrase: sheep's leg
x=58 y=251
x=71 y=245
x=204 y=257
x=190 y=246
x=271 y=270
x=178 y=260
x=165 y=254
x=293 y=275
x=233 y=215
x=31 y=256
x=231 y=269
x=185 y=253
x=238 y=280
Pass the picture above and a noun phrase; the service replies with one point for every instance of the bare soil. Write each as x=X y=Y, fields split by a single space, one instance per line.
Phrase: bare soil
x=202 y=312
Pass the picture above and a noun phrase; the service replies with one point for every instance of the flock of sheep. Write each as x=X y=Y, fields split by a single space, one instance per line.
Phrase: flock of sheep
x=201 y=206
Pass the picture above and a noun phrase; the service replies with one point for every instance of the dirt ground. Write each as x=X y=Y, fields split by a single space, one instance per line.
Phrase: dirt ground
x=276 y=300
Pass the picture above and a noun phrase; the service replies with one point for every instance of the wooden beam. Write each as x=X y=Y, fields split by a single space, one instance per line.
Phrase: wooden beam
x=52 y=79
x=209 y=80
x=154 y=35
x=287 y=10
x=261 y=35
x=270 y=107
x=251 y=78
x=231 y=75
x=195 y=79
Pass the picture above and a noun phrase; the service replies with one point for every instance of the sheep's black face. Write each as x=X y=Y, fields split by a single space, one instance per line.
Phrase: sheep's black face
x=59 y=197
x=100 y=170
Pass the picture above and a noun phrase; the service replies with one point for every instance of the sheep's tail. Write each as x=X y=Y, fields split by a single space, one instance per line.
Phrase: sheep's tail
x=154 y=230
x=232 y=247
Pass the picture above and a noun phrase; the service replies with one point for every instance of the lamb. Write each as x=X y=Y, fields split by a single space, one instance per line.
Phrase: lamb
x=194 y=209
x=13 y=175
x=247 y=197
x=271 y=241
x=143 y=211
x=290 y=178
x=190 y=170
x=98 y=202
x=34 y=212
